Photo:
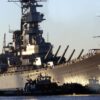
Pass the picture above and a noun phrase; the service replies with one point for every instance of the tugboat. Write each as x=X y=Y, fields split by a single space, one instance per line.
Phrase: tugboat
x=29 y=55
x=42 y=85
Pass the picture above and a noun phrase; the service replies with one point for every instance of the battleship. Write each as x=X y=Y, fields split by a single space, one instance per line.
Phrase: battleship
x=29 y=55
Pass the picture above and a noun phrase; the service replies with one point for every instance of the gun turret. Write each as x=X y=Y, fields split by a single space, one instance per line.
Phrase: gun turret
x=80 y=54
x=63 y=54
x=71 y=55
x=57 y=51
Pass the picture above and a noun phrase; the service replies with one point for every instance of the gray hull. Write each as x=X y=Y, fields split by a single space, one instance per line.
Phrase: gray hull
x=79 y=71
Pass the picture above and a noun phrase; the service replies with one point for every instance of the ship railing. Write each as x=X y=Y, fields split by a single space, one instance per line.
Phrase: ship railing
x=91 y=53
x=88 y=55
x=73 y=61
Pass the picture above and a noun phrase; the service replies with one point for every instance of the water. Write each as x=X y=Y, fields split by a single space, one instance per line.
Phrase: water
x=52 y=98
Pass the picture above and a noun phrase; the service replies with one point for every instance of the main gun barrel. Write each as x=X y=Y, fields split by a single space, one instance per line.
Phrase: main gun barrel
x=57 y=51
x=71 y=55
x=80 y=54
x=63 y=54
x=47 y=54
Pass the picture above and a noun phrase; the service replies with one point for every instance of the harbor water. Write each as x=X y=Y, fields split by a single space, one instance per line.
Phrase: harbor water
x=51 y=98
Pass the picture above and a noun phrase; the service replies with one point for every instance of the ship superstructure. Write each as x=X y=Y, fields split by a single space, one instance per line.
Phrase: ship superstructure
x=28 y=46
x=29 y=55
x=28 y=51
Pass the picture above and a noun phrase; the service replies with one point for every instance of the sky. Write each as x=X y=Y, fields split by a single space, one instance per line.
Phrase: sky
x=68 y=22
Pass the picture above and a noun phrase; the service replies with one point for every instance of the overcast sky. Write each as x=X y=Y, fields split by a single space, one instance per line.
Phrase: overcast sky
x=69 y=22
